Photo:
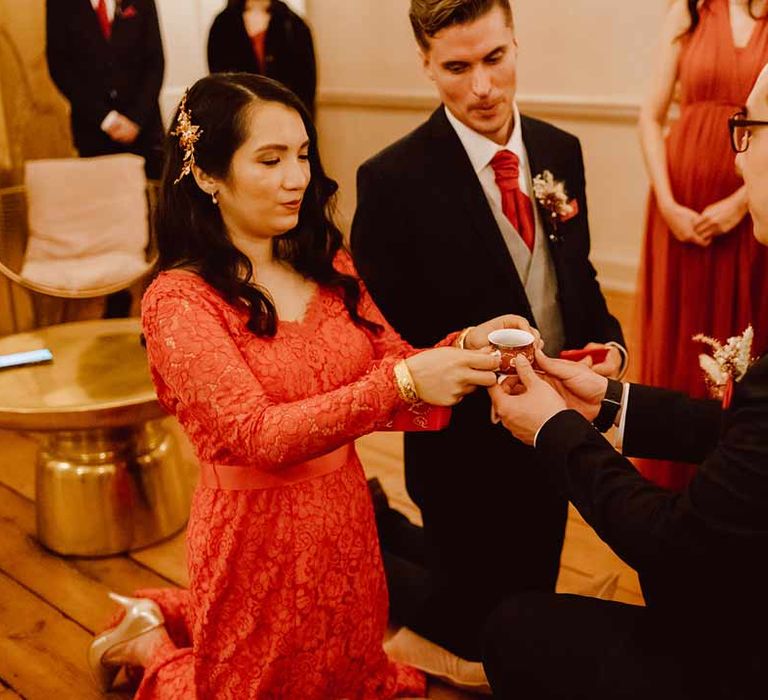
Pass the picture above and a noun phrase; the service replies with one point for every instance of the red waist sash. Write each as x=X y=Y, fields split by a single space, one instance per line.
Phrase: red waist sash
x=228 y=478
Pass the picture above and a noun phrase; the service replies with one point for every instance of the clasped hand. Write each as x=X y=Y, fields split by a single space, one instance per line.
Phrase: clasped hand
x=444 y=375
x=526 y=401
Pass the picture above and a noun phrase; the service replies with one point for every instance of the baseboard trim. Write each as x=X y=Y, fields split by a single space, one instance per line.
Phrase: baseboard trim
x=616 y=273
x=547 y=106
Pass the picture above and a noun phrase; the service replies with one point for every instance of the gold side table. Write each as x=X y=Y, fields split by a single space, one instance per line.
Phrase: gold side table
x=109 y=477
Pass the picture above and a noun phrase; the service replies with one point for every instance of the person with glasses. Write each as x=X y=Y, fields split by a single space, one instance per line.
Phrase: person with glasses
x=700 y=554
x=702 y=271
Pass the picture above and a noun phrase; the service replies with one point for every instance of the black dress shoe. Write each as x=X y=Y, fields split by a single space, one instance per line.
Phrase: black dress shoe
x=378 y=496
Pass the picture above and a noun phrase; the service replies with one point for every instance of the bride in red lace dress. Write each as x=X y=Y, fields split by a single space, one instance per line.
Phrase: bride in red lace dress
x=269 y=351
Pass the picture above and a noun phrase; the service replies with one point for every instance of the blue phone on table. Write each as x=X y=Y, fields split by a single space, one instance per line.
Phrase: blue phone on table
x=22 y=359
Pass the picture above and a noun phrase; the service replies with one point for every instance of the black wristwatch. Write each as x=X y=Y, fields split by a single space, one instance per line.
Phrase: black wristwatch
x=609 y=406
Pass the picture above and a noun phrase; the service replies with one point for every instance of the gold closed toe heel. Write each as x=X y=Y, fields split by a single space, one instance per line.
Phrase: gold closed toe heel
x=141 y=616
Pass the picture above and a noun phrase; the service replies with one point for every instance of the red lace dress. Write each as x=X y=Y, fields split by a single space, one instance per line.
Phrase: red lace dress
x=287 y=593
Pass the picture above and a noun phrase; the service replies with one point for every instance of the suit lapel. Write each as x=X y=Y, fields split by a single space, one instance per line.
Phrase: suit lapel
x=454 y=175
x=538 y=163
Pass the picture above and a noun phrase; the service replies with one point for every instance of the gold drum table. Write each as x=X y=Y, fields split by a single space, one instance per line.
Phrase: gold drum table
x=109 y=477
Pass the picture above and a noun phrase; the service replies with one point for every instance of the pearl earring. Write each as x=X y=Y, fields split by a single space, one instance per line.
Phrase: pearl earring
x=214 y=199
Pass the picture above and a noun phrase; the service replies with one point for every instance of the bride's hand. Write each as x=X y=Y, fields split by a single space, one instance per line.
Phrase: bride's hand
x=477 y=338
x=443 y=376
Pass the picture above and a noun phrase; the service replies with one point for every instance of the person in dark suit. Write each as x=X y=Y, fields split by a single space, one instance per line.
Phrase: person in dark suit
x=106 y=58
x=700 y=554
x=448 y=231
x=268 y=38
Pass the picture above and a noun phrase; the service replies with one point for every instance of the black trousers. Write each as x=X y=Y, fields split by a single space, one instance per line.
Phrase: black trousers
x=547 y=646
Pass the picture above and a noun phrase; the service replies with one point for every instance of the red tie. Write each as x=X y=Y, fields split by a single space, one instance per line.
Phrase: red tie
x=101 y=13
x=515 y=204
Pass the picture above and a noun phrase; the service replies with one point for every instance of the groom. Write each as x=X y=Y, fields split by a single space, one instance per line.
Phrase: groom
x=448 y=231
x=700 y=554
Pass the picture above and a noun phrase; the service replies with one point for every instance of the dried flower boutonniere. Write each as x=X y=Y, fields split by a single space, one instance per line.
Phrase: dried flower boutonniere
x=553 y=198
x=727 y=364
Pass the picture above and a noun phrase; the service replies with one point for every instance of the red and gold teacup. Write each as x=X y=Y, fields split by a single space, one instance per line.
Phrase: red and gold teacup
x=509 y=343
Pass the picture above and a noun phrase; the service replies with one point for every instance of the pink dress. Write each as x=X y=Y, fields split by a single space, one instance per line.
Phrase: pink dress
x=287 y=593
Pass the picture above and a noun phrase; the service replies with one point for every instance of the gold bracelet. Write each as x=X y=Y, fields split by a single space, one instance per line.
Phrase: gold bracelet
x=463 y=338
x=406 y=387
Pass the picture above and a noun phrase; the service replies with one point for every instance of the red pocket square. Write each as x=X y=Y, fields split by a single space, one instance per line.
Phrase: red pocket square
x=128 y=12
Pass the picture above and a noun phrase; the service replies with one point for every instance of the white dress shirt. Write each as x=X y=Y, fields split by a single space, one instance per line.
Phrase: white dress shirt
x=481 y=151
x=110 y=8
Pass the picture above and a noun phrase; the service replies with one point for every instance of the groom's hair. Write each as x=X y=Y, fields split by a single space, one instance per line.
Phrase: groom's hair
x=428 y=17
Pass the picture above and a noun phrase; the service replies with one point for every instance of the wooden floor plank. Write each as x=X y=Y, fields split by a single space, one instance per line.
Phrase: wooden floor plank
x=7 y=693
x=77 y=588
x=168 y=558
x=17 y=460
x=42 y=653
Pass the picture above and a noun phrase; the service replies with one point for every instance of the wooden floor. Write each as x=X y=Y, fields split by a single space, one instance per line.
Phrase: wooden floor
x=50 y=606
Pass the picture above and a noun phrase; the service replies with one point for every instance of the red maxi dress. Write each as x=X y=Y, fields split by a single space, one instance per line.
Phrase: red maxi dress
x=287 y=596
x=686 y=289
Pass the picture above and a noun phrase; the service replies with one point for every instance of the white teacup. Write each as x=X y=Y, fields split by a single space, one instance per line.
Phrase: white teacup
x=509 y=343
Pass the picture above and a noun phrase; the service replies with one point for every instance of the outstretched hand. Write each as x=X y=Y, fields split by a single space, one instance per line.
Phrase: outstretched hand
x=582 y=388
x=443 y=376
x=533 y=402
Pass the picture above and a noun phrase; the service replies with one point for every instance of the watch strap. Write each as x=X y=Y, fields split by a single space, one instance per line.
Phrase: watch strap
x=610 y=405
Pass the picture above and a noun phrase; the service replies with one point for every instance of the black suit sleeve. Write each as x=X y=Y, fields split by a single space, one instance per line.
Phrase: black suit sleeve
x=65 y=75
x=650 y=527
x=378 y=251
x=662 y=424
x=605 y=326
x=144 y=103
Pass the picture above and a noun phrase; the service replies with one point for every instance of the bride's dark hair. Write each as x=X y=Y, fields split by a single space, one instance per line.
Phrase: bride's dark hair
x=190 y=231
x=693 y=11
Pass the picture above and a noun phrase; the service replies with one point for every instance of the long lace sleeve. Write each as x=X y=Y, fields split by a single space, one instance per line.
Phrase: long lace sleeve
x=203 y=378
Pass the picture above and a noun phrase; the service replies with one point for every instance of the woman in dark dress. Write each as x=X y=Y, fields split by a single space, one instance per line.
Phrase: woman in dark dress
x=268 y=38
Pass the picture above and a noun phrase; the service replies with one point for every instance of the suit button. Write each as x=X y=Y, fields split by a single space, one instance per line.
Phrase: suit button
x=113 y=94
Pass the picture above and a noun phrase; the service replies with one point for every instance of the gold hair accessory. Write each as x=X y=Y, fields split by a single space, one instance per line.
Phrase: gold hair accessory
x=188 y=134
x=406 y=387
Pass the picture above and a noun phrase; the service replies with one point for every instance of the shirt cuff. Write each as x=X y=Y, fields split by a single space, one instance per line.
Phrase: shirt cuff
x=621 y=418
x=624 y=357
x=109 y=121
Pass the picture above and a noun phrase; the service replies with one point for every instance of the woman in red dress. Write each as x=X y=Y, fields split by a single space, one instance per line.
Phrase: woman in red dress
x=271 y=354
x=702 y=271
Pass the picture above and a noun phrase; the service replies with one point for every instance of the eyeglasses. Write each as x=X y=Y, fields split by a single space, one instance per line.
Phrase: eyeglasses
x=739 y=126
